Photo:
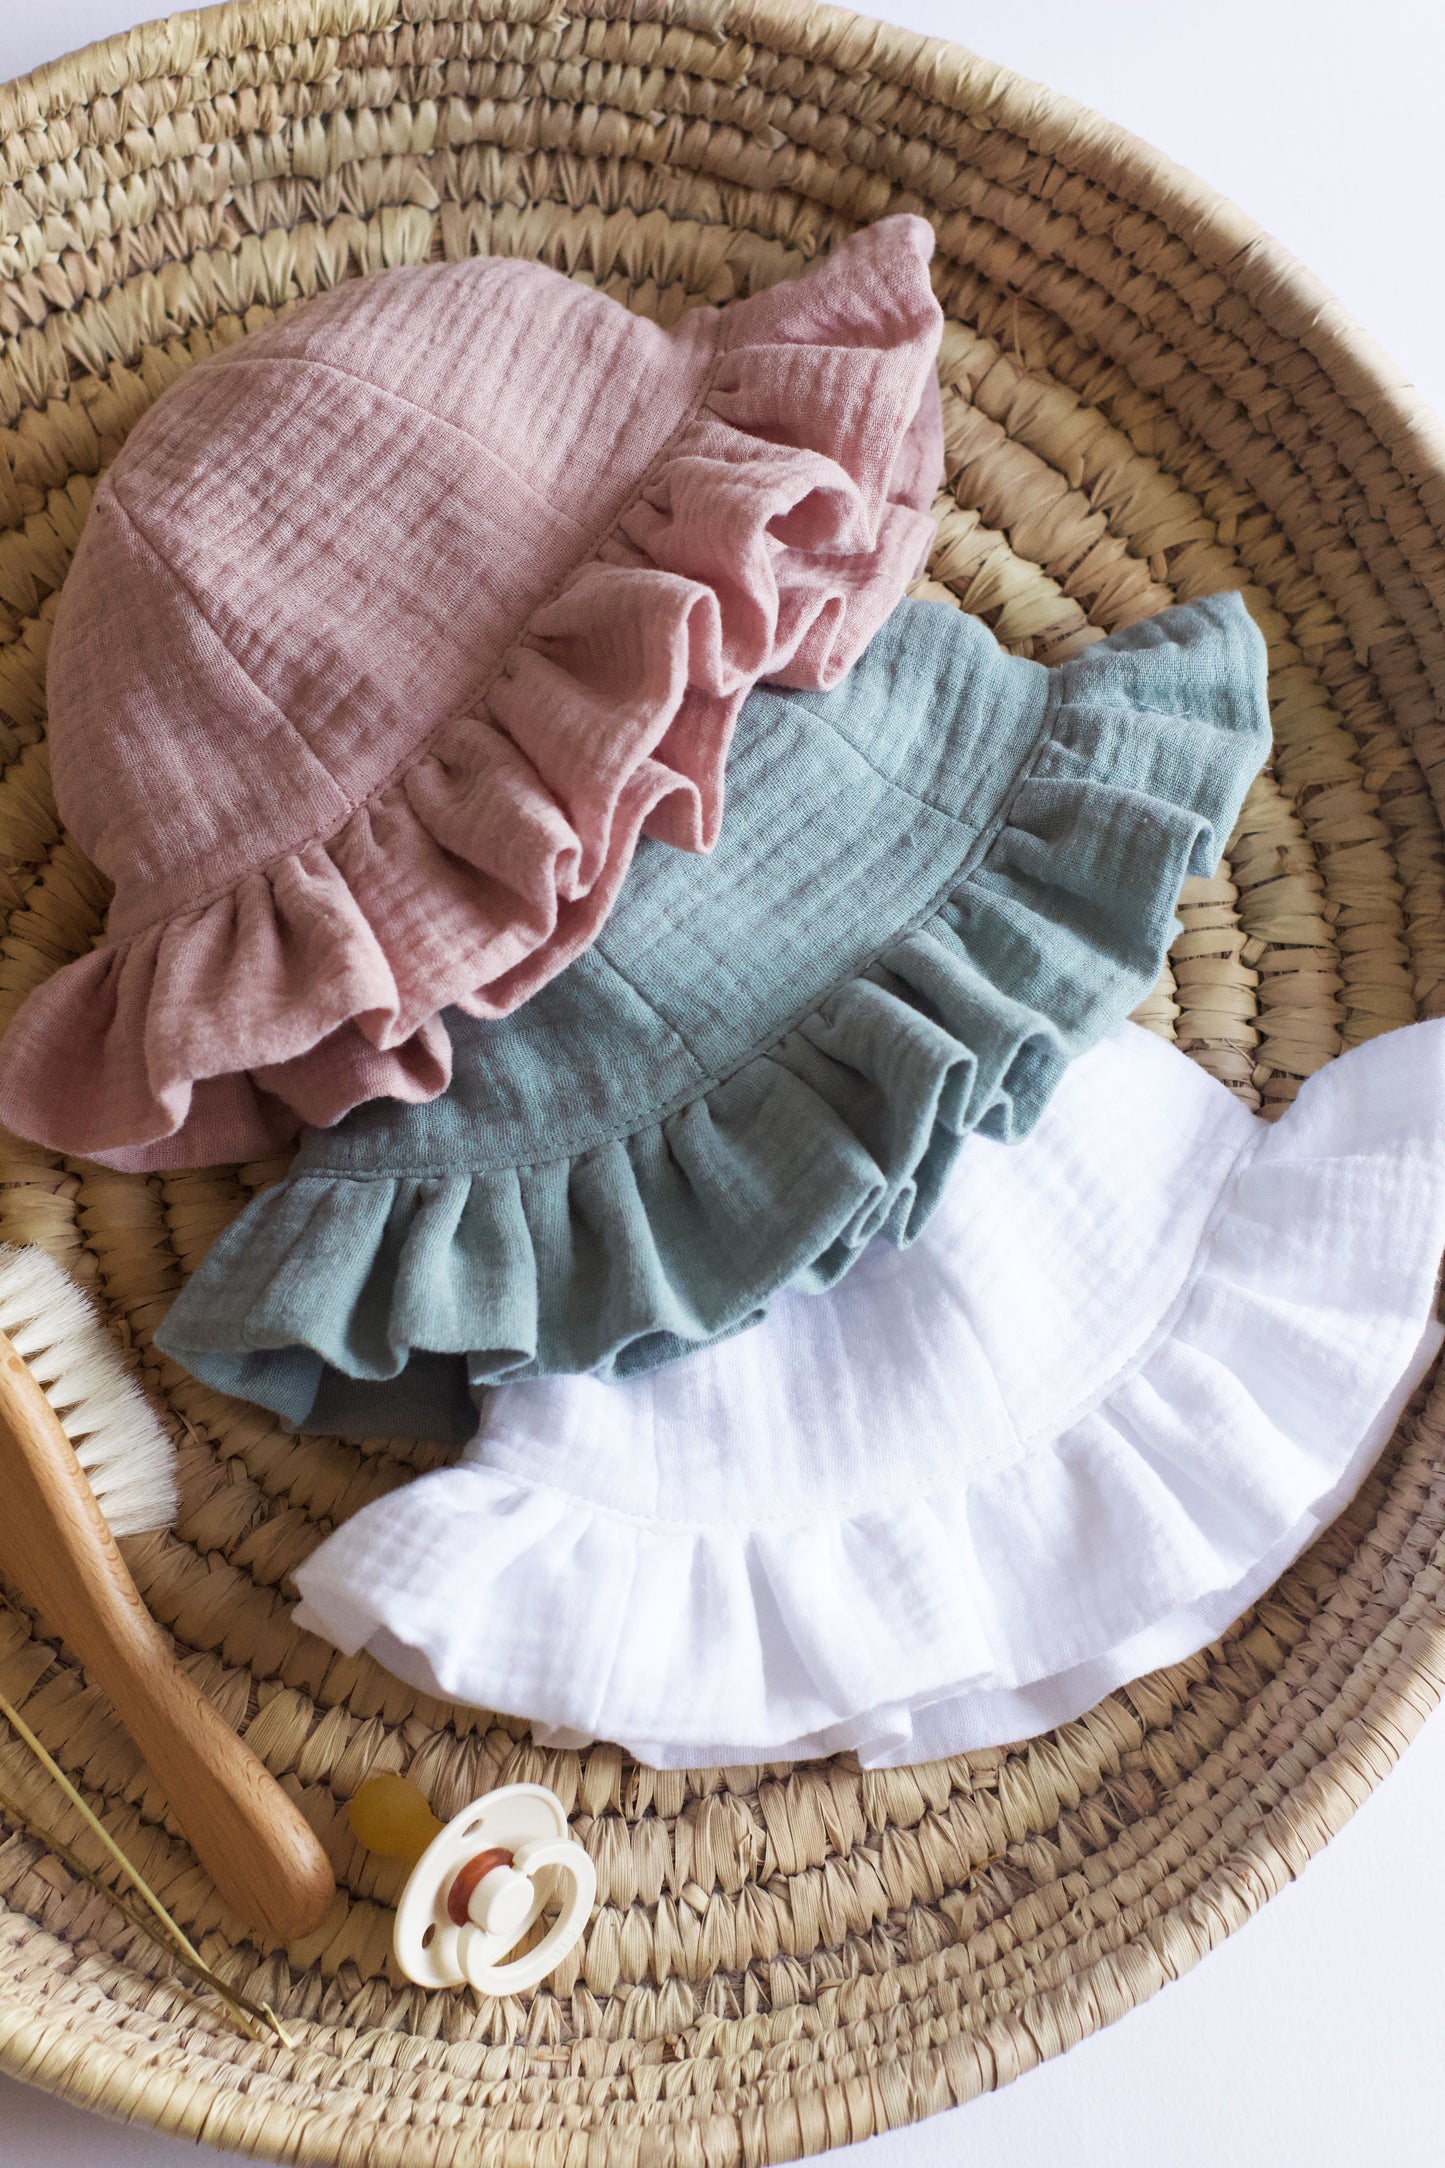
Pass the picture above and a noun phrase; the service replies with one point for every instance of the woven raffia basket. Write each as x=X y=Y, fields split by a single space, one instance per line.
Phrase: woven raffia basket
x=1144 y=399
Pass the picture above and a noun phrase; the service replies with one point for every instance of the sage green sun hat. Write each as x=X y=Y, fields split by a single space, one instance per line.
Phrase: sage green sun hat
x=937 y=885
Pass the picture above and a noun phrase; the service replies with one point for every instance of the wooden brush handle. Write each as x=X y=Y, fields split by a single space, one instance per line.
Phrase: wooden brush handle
x=55 y=1546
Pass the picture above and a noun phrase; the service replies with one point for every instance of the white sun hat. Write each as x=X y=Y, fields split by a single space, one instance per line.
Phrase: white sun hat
x=1132 y=1367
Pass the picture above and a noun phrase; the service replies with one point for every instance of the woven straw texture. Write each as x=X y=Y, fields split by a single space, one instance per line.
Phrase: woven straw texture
x=1144 y=400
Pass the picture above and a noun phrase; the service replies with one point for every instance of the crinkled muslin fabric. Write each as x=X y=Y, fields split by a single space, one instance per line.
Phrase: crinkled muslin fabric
x=936 y=886
x=393 y=628
x=1129 y=1371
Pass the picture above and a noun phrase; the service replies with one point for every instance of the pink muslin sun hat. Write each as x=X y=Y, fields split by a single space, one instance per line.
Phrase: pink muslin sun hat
x=392 y=629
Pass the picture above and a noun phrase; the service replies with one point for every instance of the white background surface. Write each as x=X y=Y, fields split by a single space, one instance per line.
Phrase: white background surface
x=1317 y=2034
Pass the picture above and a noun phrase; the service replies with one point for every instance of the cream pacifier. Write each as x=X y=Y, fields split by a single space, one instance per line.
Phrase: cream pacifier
x=478 y=1882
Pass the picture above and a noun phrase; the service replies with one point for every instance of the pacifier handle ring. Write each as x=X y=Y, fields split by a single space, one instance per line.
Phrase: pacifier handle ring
x=579 y=1880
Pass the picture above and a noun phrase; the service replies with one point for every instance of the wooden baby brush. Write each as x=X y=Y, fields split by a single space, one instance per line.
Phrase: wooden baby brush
x=70 y=1419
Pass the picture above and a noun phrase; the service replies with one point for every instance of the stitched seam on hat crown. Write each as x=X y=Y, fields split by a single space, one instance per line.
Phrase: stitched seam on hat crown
x=978 y=837
x=971 y=828
x=143 y=536
x=422 y=750
x=242 y=360
x=762 y=1049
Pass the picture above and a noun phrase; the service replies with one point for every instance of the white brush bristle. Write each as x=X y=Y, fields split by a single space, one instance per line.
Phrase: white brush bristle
x=118 y=1438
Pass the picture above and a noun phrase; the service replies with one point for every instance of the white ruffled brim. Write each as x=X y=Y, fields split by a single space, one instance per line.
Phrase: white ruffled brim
x=959 y=1614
